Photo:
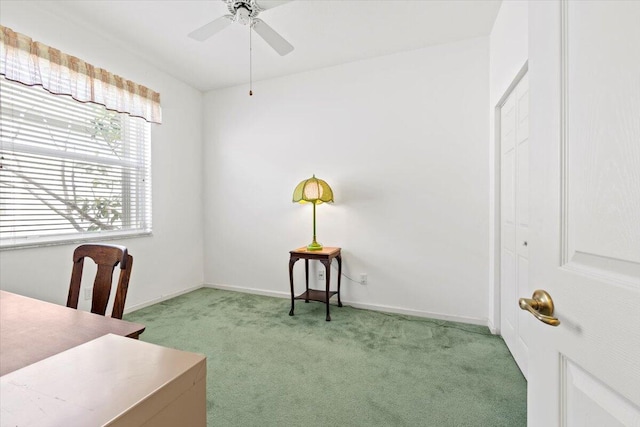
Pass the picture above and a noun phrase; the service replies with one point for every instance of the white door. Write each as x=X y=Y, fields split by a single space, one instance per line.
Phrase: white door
x=514 y=219
x=584 y=242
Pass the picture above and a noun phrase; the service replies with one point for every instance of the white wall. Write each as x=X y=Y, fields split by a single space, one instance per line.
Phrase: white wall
x=400 y=138
x=170 y=261
x=403 y=141
x=508 y=54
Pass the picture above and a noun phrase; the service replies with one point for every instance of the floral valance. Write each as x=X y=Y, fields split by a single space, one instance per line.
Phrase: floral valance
x=33 y=63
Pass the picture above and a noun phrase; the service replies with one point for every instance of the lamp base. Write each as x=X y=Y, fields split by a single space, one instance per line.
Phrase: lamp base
x=314 y=246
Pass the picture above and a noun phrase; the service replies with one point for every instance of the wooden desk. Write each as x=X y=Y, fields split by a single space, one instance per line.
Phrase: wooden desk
x=110 y=381
x=32 y=330
x=325 y=255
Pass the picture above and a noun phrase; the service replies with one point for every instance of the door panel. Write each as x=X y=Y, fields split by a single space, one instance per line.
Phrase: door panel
x=589 y=401
x=508 y=195
x=584 y=70
x=602 y=113
x=524 y=325
x=509 y=293
x=523 y=109
x=523 y=185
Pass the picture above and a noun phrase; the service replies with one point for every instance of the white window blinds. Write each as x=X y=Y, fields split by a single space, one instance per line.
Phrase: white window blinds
x=69 y=170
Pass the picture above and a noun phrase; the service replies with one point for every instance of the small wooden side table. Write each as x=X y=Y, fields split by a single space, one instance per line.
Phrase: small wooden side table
x=325 y=256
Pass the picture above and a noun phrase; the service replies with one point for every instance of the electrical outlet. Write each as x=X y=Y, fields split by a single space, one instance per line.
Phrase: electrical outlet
x=363 y=279
x=87 y=293
x=321 y=275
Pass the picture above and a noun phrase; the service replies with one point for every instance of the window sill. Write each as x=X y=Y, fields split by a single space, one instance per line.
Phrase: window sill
x=57 y=241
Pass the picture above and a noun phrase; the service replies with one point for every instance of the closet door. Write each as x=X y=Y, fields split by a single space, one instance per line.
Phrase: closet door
x=514 y=217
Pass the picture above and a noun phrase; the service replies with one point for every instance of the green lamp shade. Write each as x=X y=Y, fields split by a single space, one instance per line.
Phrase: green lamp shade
x=314 y=191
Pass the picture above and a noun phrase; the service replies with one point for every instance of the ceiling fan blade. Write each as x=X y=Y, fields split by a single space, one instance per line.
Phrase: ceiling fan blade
x=270 y=4
x=272 y=38
x=213 y=27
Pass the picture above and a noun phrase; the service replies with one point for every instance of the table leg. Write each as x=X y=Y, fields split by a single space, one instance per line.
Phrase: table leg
x=292 y=261
x=306 y=277
x=339 y=259
x=327 y=268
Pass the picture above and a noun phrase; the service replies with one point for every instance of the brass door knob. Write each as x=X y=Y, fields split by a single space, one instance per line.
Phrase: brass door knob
x=541 y=306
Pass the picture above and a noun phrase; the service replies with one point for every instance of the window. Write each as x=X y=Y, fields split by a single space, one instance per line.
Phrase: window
x=69 y=171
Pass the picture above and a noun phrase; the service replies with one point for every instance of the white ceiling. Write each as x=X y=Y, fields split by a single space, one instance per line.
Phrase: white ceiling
x=323 y=32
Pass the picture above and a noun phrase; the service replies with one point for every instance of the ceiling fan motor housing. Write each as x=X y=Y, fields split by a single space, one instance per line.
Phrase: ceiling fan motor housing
x=243 y=11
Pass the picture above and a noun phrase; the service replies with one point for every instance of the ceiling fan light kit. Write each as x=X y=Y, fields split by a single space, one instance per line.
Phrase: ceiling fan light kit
x=245 y=12
x=243 y=16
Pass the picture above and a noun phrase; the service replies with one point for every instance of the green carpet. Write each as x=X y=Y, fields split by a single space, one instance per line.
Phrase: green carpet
x=364 y=368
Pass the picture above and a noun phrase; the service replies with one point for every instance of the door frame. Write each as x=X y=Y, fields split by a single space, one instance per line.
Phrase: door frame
x=496 y=232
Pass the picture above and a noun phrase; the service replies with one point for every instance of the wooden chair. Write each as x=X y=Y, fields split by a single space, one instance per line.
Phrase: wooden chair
x=106 y=257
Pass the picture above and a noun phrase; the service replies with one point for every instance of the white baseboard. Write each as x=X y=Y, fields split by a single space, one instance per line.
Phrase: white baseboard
x=255 y=291
x=373 y=307
x=418 y=313
x=160 y=299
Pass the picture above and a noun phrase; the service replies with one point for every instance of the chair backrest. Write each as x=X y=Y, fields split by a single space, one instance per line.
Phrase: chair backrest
x=106 y=257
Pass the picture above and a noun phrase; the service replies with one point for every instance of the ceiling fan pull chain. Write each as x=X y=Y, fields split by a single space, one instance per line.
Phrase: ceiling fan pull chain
x=250 y=64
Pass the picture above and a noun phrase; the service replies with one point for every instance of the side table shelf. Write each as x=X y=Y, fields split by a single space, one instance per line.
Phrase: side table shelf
x=325 y=256
x=316 y=295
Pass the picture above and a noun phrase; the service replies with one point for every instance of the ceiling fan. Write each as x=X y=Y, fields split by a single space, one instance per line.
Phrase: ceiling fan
x=245 y=12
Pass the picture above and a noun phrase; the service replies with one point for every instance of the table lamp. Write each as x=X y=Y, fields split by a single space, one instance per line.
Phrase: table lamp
x=314 y=191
